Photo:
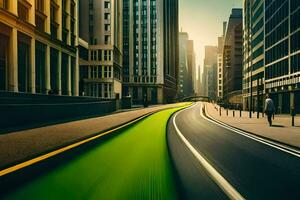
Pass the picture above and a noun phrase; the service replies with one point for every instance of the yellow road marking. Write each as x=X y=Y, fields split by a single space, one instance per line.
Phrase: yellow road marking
x=64 y=149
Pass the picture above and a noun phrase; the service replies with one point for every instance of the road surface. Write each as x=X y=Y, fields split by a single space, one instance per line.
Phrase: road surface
x=131 y=164
x=254 y=170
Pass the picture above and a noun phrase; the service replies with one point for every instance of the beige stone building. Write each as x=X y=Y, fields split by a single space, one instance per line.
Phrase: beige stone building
x=38 y=52
x=101 y=48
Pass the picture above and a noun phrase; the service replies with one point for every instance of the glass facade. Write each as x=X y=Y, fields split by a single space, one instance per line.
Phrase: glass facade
x=279 y=64
x=282 y=38
x=254 y=49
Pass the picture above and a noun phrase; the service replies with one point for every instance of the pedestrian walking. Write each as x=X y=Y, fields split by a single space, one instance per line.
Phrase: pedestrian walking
x=269 y=109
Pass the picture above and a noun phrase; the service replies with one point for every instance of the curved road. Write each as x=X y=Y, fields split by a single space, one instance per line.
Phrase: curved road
x=254 y=170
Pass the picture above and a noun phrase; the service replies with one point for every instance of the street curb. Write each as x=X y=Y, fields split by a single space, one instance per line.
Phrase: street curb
x=295 y=148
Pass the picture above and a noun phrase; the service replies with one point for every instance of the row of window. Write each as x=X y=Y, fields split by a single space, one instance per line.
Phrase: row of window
x=100 y=55
x=278 y=69
x=98 y=72
x=145 y=79
x=272 y=6
x=277 y=52
x=258 y=26
x=101 y=90
x=278 y=34
x=274 y=20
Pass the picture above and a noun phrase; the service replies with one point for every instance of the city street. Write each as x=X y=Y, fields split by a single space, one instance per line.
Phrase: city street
x=252 y=169
x=131 y=163
x=149 y=99
x=198 y=159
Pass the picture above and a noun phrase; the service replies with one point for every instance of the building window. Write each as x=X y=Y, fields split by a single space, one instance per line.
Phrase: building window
x=93 y=55
x=54 y=24
x=107 y=72
x=99 y=71
x=105 y=55
x=3 y=4
x=93 y=72
x=107 y=4
x=39 y=5
x=107 y=27
x=109 y=55
x=107 y=16
x=22 y=12
x=99 y=55
x=40 y=23
x=107 y=39
x=106 y=90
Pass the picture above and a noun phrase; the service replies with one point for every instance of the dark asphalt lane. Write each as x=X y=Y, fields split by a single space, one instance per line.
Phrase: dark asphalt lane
x=255 y=170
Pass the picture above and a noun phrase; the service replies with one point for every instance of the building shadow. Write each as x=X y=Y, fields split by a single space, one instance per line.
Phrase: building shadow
x=278 y=126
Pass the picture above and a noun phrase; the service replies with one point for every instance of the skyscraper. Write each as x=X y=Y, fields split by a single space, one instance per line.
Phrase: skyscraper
x=253 y=67
x=209 y=77
x=233 y=58
x=220 y=63
x=183 y=65
x=272 y=54
x=187 y=67
x=102 y=39
x=150 y=50
x=191 y=67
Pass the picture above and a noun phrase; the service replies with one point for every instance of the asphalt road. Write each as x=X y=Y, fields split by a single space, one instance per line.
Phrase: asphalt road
x=253 y=169
x=132 y=163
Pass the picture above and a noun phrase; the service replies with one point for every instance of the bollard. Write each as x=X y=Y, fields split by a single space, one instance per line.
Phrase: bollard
x=240 y=112
x=233 y=113
x=220 y=111
x=227 y=112
x=293 y=120
x=293 y=113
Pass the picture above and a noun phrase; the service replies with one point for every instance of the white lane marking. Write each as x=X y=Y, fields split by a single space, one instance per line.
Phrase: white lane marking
x=275 y=145
x=215 y=175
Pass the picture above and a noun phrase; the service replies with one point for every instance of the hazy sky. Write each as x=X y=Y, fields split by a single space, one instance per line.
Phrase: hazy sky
x=203 y=20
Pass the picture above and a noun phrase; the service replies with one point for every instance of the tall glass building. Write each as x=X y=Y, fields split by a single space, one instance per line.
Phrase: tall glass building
x=253 y=62
x=272 y=52
x=150 y=42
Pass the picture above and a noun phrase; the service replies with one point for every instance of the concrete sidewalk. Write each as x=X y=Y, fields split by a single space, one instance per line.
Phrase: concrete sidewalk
x=20 y=146
x=281 y=131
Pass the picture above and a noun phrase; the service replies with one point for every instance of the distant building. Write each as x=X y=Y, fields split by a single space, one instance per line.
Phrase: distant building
x=101 y=48
x=272 y=54
x=198 y=81
x=187 y=63
x=209 y=78
x=220 y=62
x=150 y=50
x=233 y=58
x=191 y=67
x=183 y=65
x=38 y=42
